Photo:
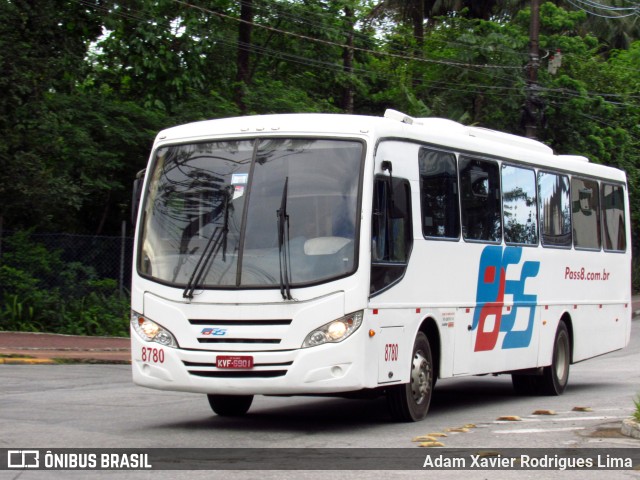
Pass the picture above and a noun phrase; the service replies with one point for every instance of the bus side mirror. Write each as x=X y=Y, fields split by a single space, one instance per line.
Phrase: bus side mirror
x=136 y=194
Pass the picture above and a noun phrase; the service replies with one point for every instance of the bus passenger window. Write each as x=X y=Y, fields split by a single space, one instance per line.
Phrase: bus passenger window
x=613 y=218
x=555 y=213
x=439 y=194
x=585 y=212
x=519 y=206
x=391 y=232
x=480 y=199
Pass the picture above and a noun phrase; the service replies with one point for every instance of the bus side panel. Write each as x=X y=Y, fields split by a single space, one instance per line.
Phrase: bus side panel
x=592 y=291
x=394 y=331
x=599 y=329
x=549 y=319
x=391 y=345
x=485 y=295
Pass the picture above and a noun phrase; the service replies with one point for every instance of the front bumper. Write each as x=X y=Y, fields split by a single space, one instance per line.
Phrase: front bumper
x=329 y=368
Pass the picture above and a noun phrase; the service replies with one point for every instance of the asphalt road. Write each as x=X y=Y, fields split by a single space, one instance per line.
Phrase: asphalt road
x=97 y=406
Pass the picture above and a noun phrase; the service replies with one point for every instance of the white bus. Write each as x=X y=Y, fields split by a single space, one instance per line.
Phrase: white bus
x=328 y=254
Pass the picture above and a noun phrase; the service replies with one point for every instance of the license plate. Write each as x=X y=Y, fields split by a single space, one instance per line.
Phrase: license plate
x=234 y=361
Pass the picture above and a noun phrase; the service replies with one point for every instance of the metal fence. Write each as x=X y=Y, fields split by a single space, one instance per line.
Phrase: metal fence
x=109 y=256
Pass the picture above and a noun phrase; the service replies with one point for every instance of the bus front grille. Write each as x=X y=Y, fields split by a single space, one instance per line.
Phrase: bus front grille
x=239 y=340
x=239 y=373
x=247 y=331
x=212 y=364
x=240 y=323
x=260 y=370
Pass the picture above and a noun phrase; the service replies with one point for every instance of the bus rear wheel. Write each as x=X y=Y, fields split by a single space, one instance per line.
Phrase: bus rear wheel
x=410 y=402
x=230 y=405
x=556 y=376
x=525 y=384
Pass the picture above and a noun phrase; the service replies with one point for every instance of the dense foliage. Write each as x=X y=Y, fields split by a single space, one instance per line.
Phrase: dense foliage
x=42 y=292
x=87 y=83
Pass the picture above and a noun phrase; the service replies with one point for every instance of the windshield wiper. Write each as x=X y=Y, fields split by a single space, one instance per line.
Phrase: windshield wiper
x=217 y=240
x=283 y=244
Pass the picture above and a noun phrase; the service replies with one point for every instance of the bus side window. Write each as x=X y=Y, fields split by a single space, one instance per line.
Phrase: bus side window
x=480 y=199
x=585 y=213
x=613 y=218
x=391 y=235
x=439 y=194
x=519 y=207
x=555 y=209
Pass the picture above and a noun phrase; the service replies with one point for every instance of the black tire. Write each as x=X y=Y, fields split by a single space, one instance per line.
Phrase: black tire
x=410 y=402
x=555 y=377
x=230 y=405
x=525 y=384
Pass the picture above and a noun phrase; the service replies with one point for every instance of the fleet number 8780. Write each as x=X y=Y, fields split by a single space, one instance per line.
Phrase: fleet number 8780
x=391 y=352
x=152 y=355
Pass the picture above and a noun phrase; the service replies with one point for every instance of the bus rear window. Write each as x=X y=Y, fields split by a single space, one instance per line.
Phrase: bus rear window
x=613 y=218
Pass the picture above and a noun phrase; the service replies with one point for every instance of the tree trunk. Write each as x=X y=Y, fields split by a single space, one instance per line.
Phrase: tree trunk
x=417 y=18
x=1 y=234
x=105 y=214
x=243 y=76
x=347 y=62
x=533 y=104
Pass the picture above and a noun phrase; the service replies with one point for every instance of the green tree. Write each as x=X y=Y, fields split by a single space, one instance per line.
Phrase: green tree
x=159 y=53
x=101 y=143
x=42 y=48
x=471 y=70
x=41 y=292
x=614 y=22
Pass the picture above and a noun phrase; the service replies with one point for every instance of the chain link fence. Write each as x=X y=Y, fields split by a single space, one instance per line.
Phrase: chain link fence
x=110 y=256
x=65 y=283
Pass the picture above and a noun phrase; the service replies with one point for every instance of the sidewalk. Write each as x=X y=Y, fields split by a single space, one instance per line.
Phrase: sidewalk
x=49 y=348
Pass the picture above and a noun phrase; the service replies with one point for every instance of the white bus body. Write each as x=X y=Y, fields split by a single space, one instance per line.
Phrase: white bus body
x=323 y=254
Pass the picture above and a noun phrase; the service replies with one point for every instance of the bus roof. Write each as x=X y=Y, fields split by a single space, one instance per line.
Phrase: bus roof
x=440 y=132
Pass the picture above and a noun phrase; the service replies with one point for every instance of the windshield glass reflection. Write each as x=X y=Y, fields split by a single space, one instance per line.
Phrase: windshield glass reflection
x=223 y=198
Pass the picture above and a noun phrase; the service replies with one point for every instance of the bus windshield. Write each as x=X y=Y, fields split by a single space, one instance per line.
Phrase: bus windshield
x=212 y=216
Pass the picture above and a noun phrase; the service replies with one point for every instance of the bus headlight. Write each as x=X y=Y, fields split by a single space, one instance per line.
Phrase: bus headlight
x=150 y=331
x=335 y=331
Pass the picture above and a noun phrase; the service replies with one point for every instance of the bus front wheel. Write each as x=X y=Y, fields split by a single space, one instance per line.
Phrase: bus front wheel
x=230 y=405
x=410 y=402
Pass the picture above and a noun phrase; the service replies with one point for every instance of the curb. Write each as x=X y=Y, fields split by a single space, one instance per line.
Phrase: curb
x=62 y=361
x=630 y=428
x=26 y=361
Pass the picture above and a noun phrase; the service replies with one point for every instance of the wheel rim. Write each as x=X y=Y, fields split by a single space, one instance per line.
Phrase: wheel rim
x=562 y=354
x=420 y=377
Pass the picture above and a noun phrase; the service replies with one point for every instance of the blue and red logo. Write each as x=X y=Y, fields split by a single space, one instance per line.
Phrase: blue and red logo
x=492 y=288
x=215 y=332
